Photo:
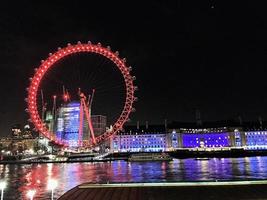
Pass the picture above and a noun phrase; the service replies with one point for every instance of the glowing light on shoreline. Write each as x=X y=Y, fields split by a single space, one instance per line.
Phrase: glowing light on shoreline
x=51 y=185
x=31 y=194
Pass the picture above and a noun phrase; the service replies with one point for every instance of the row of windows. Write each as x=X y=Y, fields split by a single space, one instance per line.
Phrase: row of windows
x=256 y=133
x=154 y=146
x=256 y=137
x=137 y=133
x=204 y=132
x=138 y=144
x=214 y=141
x=141 y=136
x=139 y=139
x=219 y=138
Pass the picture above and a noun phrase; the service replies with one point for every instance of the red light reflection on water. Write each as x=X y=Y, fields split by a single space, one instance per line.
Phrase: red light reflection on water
x=21 y=178
x=37 y=179
x=69 y=176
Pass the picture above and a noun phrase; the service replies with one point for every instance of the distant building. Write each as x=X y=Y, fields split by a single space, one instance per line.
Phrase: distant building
x=20 y=140
x=248 y=135
x=49 y=121
x=67 y=129
x=142 y=139
x=181 y=135
x=99 y=124
x=201 y=137
x=27 y=132
x=68 y=124
x=204 y=135
x=16 y=131
x=255 y=139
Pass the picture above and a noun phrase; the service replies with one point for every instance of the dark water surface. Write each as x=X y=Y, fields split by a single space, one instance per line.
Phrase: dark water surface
x=21 y=178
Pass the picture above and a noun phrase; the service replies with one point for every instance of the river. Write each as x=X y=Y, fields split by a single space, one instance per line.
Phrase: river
x=21 y=178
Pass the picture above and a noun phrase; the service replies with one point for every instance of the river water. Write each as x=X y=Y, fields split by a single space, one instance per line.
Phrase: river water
x=21 y=178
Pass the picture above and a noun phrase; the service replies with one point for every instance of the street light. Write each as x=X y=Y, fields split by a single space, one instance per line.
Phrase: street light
x=51 y=185
x=2 y=187
x=31 y=194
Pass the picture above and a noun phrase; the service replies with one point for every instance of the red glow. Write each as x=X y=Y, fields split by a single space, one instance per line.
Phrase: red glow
x=66 y=97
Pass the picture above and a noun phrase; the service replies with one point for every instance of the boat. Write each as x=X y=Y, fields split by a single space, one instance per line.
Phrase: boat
x=202 y=158
x=150 y=157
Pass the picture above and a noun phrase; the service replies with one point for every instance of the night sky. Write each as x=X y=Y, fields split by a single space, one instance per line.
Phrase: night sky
x=186 y=55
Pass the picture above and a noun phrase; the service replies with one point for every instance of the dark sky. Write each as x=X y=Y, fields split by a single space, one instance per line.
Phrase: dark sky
x=210 y=55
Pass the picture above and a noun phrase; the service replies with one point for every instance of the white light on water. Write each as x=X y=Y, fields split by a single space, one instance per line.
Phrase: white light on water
x=31 y=194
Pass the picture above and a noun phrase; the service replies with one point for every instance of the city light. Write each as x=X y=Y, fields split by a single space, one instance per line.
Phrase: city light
x=31 y=194
x=51 y=185
x=3 y=185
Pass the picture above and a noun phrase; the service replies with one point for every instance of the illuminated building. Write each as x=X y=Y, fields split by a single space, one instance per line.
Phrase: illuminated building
x=68 y=124
x=160 y=138
x=148 y=139
x=21 y=139
x=49 y=121
x=202 y=138
x=16 y=131
x=256 y=139
x=204 y=135
x=27 y=132
x=233 y=135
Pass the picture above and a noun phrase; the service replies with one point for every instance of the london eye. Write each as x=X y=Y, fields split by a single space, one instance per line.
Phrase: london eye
x=99 y=81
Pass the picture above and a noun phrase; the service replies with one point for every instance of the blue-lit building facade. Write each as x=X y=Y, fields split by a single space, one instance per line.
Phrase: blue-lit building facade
x=67 y=129
x=201 y=138
x=190 y=136
x=250 y=136
x=256 y=139
x=68 y=123
x=140 y=139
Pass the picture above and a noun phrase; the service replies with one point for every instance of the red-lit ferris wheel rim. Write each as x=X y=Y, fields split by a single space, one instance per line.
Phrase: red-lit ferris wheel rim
x=73 y=49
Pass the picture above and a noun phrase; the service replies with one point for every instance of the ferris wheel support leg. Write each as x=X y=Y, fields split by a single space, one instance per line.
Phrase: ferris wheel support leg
x=80 y=126
x=89 y=121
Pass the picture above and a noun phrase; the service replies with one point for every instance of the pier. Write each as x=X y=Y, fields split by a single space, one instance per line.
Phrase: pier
x=253 y=190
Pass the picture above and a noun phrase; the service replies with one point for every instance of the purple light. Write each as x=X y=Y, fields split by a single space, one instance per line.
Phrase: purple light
x=209 y=139
x=255 y=140
x=146 y=142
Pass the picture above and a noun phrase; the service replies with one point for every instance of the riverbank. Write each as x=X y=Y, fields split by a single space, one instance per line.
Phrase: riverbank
x=226 y=190
x=210 y=153
x=179 y=154
x=54 y=161
x=200 y=153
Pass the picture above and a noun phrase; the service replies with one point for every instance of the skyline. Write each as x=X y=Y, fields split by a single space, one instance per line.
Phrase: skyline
x=185 y=56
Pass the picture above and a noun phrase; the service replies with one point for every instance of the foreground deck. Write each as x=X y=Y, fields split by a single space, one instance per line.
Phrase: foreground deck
x=252 y=190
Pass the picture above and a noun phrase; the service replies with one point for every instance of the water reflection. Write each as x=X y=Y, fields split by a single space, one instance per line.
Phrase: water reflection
x=22 y=178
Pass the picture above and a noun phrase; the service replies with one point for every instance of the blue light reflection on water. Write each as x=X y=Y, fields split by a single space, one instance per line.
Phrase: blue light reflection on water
x=21 y=178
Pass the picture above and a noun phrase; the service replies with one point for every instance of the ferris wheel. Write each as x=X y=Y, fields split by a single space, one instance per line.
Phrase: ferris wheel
x=59 y=55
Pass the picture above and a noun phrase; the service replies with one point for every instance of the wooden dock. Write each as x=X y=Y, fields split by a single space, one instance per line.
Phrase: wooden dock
x=233 y=190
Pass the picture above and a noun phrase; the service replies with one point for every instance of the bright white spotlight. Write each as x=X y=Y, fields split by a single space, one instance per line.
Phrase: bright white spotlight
x=51 y=185
x=3 y=185
x=31 y=194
